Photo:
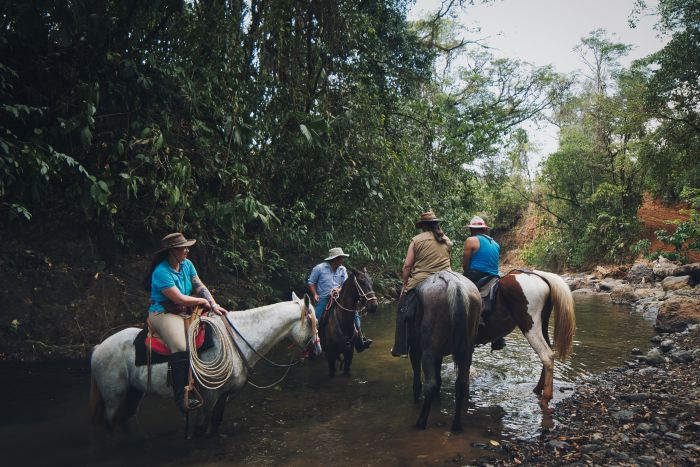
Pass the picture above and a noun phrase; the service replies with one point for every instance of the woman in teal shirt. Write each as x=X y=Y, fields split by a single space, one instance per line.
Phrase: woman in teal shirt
x=171 y=280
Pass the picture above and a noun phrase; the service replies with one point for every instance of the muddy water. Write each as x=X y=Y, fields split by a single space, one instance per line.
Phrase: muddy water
x=309 y=419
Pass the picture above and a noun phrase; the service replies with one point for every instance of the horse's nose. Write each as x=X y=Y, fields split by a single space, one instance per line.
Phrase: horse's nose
x=372 y=306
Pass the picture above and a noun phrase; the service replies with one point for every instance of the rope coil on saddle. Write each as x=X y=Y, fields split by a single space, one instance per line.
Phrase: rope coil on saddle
x=215 y=373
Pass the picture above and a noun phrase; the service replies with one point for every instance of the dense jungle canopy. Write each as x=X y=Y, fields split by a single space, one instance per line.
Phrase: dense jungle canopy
x=272 y=130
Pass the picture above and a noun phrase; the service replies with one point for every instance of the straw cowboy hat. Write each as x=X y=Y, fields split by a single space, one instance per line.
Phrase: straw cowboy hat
x=174 y=240
x=427 y=217
x=477 y=223
x=334 y=253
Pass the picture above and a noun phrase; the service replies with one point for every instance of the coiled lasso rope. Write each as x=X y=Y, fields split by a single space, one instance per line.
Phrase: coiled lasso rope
x=215 y=373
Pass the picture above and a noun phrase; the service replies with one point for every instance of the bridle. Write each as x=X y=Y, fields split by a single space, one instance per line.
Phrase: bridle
x=311 y=317
x=365 y=297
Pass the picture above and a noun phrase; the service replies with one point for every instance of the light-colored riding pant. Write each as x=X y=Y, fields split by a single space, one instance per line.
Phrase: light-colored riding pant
x=170 y=328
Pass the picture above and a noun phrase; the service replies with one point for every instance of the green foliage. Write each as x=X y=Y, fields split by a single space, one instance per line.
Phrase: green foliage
x=271 y=131
x=552 y=252
x=672 y=99
x=593 y=184
x=642 y=247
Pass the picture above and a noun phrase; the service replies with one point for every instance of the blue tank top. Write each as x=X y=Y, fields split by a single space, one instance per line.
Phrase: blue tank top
x=486 y=259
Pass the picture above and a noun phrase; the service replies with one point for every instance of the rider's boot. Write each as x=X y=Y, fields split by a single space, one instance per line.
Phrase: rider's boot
x=362 y=343
x=498 y=344
x=179 y=375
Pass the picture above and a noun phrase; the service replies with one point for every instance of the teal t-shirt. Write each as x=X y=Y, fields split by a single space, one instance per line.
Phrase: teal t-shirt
x=164 y=277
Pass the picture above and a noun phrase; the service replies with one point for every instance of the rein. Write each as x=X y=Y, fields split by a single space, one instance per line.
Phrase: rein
x=365 y=297
x=292 y=363
x=214 y=374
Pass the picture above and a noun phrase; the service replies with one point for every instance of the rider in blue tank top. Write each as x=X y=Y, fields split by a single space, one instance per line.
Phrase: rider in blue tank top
x=481 y=260
x=486 y=257
x=480 y=252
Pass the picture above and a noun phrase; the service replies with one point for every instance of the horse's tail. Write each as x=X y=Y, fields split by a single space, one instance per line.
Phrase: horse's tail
x=564 y=319
x=457 y=301
x=97 y=404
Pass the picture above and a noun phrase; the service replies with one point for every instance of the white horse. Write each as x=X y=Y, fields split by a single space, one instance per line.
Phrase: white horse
x=118 y=385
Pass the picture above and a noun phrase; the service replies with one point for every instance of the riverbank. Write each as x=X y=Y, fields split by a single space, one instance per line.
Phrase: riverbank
x=646 y=413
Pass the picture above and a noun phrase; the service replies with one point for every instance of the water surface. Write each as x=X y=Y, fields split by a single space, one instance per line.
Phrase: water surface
x=310 y=419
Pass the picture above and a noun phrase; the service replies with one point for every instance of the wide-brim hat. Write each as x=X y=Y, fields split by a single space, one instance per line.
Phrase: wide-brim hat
x=334 y=253
x=174 y=240
x=477 y=223
x=427 y=217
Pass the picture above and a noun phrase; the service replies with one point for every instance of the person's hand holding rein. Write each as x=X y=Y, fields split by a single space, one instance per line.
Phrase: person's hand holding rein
x=218 y=309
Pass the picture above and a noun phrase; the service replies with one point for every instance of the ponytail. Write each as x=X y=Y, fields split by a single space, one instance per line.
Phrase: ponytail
x=157 y=259
x=434 y=227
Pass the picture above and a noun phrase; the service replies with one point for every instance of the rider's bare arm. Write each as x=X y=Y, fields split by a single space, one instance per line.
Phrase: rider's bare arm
x=201 y=290
x=178 y=298
x=471 y=246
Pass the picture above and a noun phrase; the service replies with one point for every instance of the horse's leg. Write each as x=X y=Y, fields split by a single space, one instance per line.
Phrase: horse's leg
x=348 y=361
x=545 y=386
x=438 y=376
x=331 y=357
x=202 y=417
x=461 y=388
x=540 y=384
x=217 y=415
x=114 y=388
x=129 y=405
x=414 y=354
x=429 y=370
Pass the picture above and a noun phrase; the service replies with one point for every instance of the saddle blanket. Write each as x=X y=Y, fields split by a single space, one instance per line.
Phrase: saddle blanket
x=160 y=353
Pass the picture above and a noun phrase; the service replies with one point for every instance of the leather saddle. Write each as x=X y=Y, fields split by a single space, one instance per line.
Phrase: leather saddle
x=487 y=289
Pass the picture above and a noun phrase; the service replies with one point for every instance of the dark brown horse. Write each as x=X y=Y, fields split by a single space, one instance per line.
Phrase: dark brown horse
x=445 y=323
x=338 y=333
x=526 y=299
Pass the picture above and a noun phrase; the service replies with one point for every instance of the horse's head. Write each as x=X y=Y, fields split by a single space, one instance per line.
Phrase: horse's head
x=365 y=291
x=305 y=334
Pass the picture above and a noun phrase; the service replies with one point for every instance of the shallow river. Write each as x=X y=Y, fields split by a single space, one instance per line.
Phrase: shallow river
x=310 y=419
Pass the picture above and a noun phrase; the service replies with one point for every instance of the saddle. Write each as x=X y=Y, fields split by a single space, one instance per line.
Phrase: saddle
x=160 y=352
x=487 y=289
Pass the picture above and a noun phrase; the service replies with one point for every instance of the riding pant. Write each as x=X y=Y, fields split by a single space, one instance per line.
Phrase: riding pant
x=320 y=306
x=171 y=329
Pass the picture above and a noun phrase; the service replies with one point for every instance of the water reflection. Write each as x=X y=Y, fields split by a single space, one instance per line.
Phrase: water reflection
x=363 y=419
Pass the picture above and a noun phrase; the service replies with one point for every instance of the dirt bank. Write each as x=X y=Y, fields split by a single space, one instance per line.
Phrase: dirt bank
x=656 y=215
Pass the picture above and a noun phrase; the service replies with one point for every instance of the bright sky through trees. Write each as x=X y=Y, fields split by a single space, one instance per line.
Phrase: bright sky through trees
x=546 y=31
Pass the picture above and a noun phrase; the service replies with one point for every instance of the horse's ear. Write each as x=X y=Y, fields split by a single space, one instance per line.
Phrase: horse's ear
x=294 y=297
x=364 y=270
x=307 y=301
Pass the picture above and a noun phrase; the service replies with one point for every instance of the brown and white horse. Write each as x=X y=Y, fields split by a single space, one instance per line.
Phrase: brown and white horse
x=526 y=299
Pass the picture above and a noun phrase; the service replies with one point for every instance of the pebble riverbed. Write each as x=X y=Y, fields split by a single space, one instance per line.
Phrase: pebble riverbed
x=645 y=413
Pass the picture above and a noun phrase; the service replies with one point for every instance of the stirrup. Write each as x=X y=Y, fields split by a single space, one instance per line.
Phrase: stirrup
x=192 y=403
